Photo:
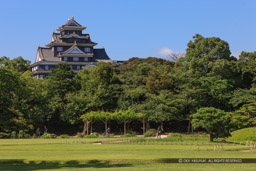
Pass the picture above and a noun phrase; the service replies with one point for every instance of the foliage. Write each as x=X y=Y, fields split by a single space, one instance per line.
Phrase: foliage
x=60 y=83
x=18 y=64
x=150 y=133
x=150 y=90
x=244 y=117
x=48 y=136
x=64 y=136
x=92 y=135
x=81 y=136
x=175 y=135
x=129 y=134
x=214 y=121
x=13 y=134
x=246 y=134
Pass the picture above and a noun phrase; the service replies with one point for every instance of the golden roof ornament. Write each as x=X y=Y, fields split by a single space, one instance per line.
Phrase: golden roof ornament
x=74 y=32
x=73 y=18
x=59 y=53
x=103 y=47
x=75 y=43
x=68 y=18
x=87 y=32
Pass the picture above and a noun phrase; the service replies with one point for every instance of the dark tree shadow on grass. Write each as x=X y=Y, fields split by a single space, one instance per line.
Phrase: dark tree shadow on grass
x=19 y=164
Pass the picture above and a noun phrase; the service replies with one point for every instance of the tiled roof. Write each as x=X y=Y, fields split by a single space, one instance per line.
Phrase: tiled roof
x=72 y=22
x=100 y=54
x=47 y=54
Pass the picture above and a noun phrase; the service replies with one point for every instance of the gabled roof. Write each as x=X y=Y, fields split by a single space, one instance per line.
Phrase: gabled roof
x=100 y=54
x=72 y=24
x=56 y=37
x=45 y=54
x=73 y=50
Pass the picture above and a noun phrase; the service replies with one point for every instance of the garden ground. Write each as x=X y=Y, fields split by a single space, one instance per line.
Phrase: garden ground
x=118 y=154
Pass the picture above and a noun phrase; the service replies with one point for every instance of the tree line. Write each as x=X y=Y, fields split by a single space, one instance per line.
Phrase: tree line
x=207 y=89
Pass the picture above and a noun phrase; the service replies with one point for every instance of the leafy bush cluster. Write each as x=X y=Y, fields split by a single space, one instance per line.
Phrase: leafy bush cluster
x=20 y=134
x=49 y=136
x=92 y=135
x=129 y=134
x=246 y=134
x=64 y=136
x=150 y=133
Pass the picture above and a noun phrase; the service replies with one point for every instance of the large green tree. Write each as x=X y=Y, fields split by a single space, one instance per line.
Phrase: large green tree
x=213 y=121
x=61 y=82
x=10 y=93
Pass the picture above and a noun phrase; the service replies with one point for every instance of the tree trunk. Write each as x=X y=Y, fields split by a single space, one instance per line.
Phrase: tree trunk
x=192 y=129
x=128 y=126
x=124 y=127
x=162 y=125
x=148 y=126
x=85 y=125
x=144 y=126
x=211 y=137
x=91 y=126
x=189 y=125
x=106 y=125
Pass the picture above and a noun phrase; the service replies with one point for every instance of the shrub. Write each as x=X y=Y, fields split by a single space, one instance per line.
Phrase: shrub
x=175 y=135
x=111 y=135
x=80 y=136
x=4 y=135
x=21 y=134
x=48 y=135
x=129 y=134
x=34 y=136
x=27 y=136
x=64 y=136
x=246 y=134
x=92 y=135
x=13 y=134
x=150 y=133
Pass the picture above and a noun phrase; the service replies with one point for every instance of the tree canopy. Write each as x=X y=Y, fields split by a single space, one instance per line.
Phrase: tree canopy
x=206 y=89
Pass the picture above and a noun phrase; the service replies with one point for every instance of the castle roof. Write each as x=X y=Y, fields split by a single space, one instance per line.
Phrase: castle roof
x=71 y=25
x=57 y=39
x=74 y=51
x=100 y=54
x=45 y=54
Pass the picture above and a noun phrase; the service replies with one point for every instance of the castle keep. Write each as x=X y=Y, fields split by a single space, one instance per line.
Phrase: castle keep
x=69 y=45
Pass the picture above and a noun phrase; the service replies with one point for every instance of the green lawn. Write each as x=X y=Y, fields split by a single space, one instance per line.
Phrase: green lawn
x=116 y=154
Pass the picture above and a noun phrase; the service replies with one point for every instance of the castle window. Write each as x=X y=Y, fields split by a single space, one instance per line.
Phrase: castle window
x=75 y=59
x=59 y=49
x=85 y=59
x=65 y=58
x=87 y=49
x=78 y=67
x=46 y=67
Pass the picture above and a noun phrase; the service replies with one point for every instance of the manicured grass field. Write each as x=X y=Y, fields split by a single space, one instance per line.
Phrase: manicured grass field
x=116 y=154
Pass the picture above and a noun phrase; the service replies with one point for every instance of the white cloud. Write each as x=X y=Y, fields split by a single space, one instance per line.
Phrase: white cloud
x=170 y=54
x=235 y=54
x=165 y=51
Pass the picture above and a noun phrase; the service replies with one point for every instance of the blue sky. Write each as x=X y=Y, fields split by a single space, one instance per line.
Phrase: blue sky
x=128 y=28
